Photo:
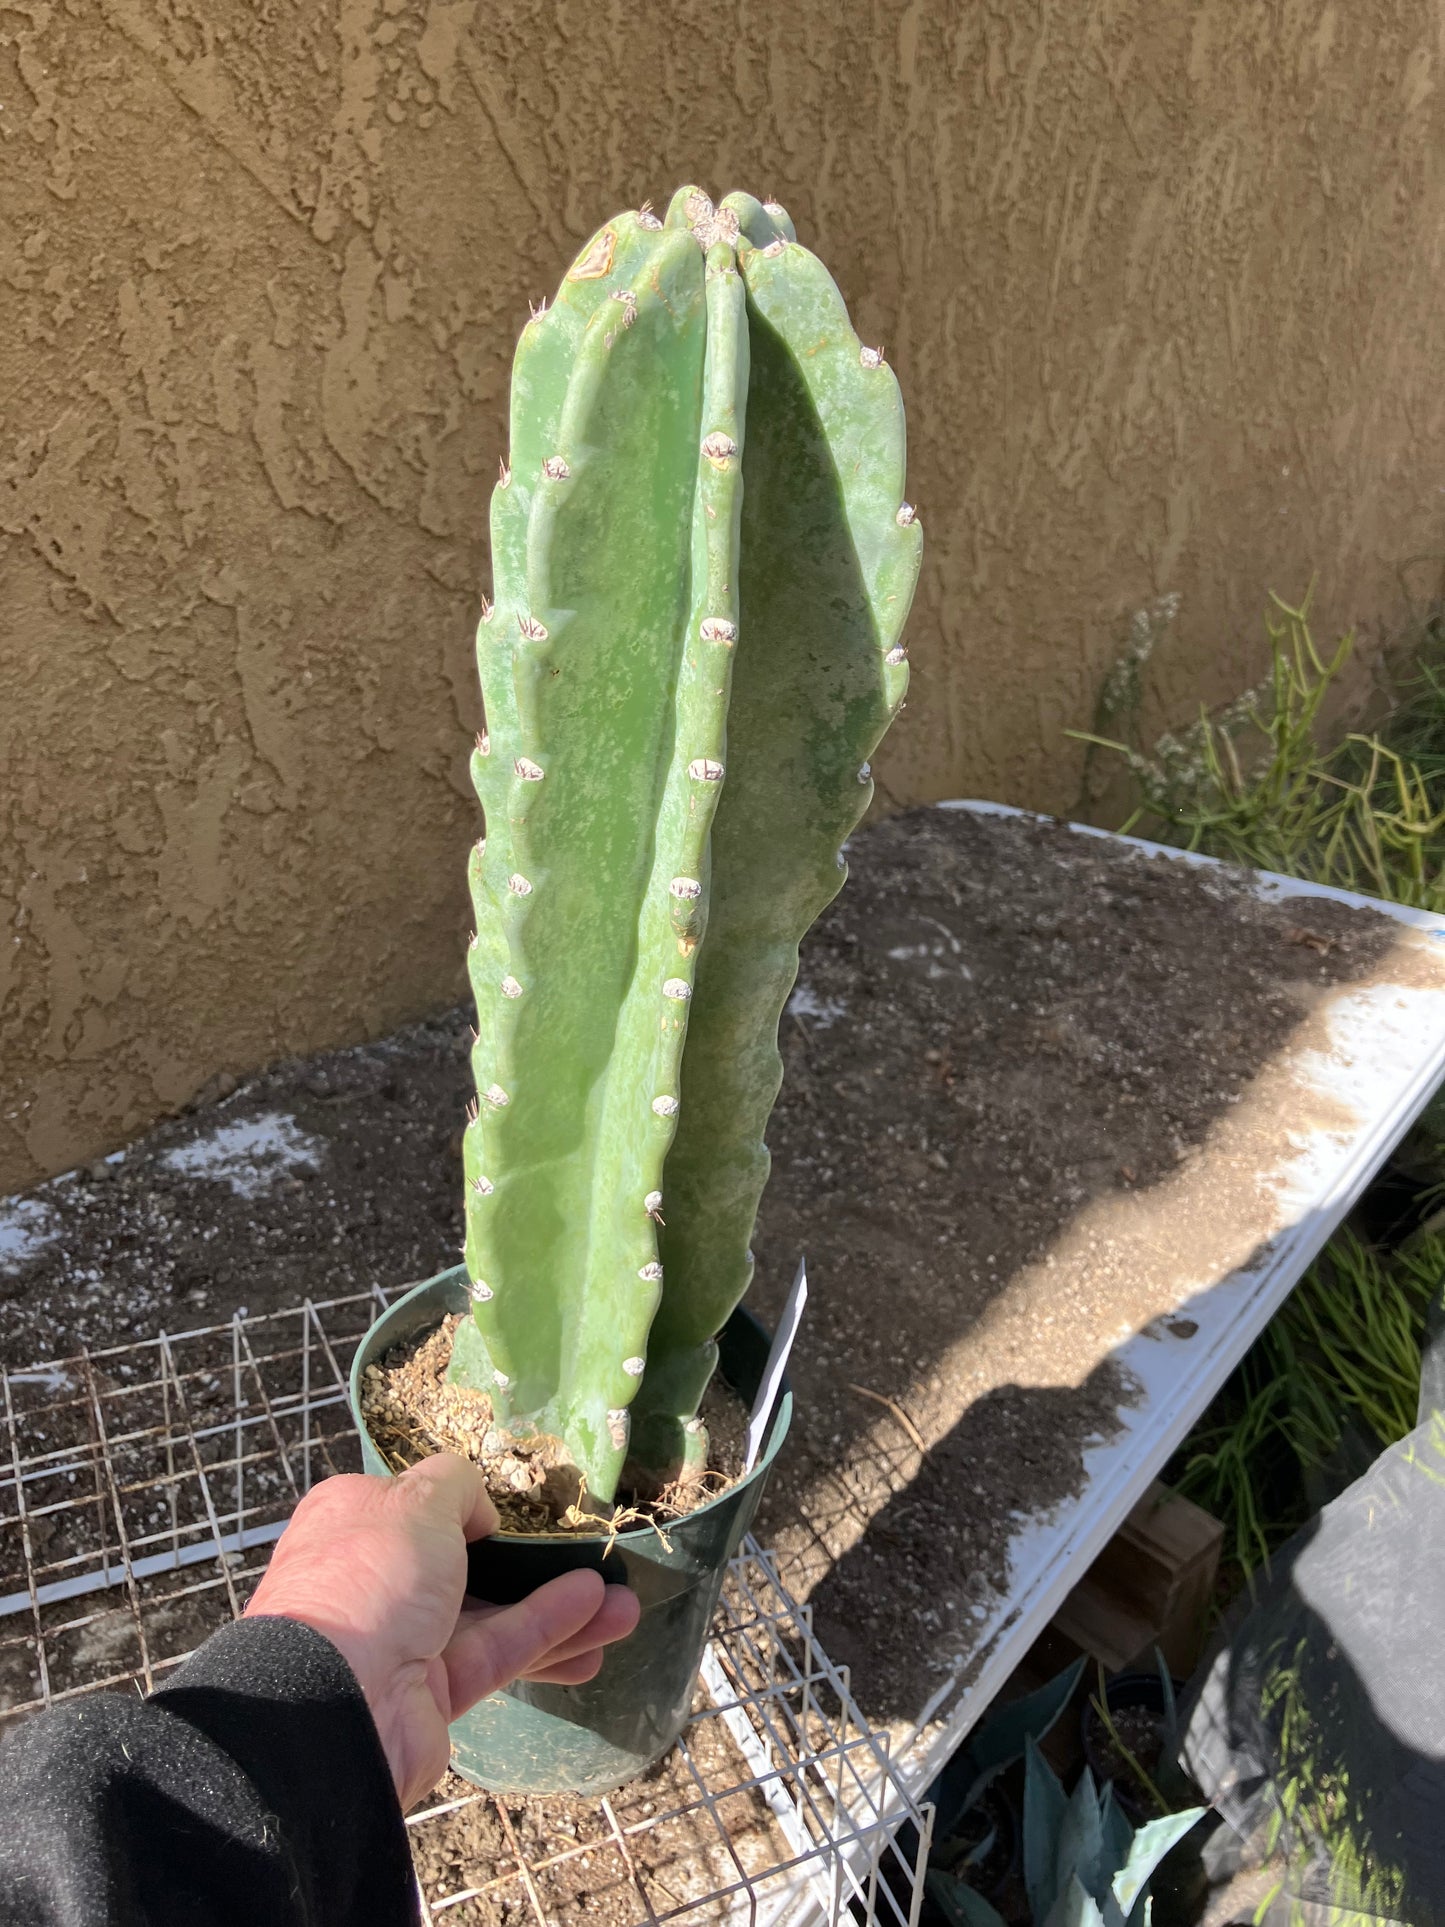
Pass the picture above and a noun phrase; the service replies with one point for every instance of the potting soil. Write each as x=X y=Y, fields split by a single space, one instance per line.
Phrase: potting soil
x=411 y=1410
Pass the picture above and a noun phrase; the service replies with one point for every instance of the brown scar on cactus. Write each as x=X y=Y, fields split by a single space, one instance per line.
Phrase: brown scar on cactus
x=596 y=258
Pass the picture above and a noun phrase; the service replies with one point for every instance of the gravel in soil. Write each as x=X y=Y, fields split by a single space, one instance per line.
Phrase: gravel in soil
x=319 y=1178
x=1032 y=1082
x=1137 y=1739
x=675 y=1850
x=1027 y=1100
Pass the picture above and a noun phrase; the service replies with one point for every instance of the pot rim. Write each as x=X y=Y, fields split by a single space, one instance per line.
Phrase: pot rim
x=455 y=1278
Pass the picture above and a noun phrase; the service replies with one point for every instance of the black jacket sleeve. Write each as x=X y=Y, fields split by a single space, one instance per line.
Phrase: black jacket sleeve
x=248 y=1791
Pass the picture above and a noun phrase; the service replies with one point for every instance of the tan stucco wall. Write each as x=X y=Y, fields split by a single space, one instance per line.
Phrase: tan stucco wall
x=1162 y=282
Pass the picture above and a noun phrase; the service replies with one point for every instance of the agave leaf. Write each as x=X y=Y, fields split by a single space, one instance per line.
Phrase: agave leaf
x=959 y=1904
x=1001 y=1738
x=1149 y=1847
x=1075 y=1908
x=1171 y=1708
x=1045 y=1806
x=1080 y=1849
x=1118 y=1833
x=976 y=1855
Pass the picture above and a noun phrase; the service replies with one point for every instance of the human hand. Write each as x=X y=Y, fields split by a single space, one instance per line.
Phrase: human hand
x=379 y=1566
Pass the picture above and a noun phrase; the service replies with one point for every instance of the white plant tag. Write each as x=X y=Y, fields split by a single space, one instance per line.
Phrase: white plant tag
x=788 y=1323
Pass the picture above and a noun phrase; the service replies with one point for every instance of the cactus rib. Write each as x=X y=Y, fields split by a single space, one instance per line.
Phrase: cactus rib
x=827 y=573
x=590 y=1032
x=632 y=1140
x=580 y=682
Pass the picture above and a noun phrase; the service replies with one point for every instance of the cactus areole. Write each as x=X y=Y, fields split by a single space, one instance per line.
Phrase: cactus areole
x=703 y=561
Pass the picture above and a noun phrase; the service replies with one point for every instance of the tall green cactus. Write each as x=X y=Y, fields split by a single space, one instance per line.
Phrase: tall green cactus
x=703 y=562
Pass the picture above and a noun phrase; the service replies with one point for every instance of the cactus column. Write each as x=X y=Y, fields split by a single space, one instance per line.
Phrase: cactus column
x=702 y=564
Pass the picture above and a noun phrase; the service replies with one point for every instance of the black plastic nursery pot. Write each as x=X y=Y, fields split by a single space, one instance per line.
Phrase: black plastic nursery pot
x=589 y=1739
x=1126 y=1691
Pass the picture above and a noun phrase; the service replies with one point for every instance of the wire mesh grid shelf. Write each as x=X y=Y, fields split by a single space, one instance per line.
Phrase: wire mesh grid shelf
x=141 y=1489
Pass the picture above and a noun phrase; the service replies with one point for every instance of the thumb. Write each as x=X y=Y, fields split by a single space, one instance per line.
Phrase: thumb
x=491 y=1649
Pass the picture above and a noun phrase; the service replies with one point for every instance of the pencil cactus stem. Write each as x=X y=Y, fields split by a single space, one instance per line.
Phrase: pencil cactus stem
x=682 y=684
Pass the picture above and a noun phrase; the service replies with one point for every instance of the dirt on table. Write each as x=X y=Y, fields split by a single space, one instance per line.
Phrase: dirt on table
x=677 y=1850
x=1027 y=1093
x=1023 y=1106
x=316 y=1179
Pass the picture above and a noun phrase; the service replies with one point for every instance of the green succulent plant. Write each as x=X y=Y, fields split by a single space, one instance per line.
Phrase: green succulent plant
x=703 y=560
x=1084 y=1865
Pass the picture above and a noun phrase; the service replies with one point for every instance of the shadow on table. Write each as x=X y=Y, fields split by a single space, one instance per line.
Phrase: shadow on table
x=999 y=1076
x=936 y=1576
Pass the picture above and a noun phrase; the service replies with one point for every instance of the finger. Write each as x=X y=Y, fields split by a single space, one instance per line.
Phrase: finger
x=570 y=1672
x=489 y=1649
x=448 y=1488
x=614 y=1619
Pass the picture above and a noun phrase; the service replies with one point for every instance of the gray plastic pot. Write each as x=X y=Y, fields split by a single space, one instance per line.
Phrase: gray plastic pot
x=589 y=1739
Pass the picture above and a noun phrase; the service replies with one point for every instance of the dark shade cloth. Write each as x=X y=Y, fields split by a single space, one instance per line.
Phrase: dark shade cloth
x=248 y=1791
x=1317 y=1729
